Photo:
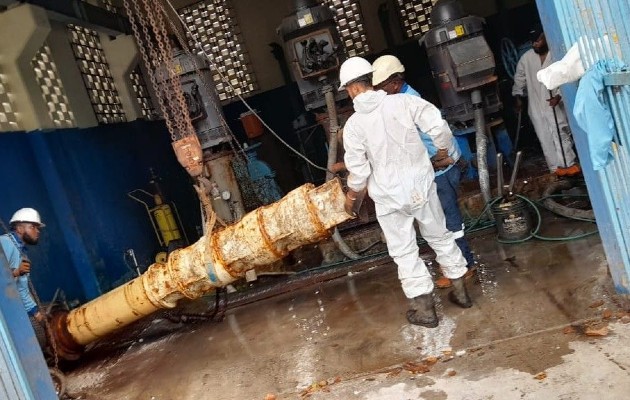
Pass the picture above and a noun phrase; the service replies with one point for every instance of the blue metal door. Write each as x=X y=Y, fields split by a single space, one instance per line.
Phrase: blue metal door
x=606 y=24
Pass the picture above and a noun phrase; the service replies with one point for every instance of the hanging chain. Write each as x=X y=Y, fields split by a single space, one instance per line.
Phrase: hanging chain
x=142 y=47
x=149 y=29
x=176 y=83
x=206 y=85
x=170 y=82
x=240 y=97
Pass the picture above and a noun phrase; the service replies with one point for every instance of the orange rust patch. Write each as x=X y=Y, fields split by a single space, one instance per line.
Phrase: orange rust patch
x=263 y=232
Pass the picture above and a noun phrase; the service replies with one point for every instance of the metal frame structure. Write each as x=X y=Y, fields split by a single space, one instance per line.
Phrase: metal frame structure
x=566 y=21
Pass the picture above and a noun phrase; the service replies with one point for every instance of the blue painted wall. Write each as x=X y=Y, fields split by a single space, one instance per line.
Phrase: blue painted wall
x=79 y=179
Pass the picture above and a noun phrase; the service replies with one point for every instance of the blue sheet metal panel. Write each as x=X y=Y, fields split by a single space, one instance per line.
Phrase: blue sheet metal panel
x=79 y=257
x=78 y=179
x=23 y=372
x=604 y=31
x=22 y=186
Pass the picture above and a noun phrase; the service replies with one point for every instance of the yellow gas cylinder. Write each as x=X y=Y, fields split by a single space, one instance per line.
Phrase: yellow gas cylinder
x=165 y=221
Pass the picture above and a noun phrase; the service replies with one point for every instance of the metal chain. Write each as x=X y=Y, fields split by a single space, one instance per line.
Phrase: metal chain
x=250 y=199
x=148 y=61
x=147 y=24
x=209 y=88
x=53 y=342
x=240 y=97
x=167 y=84
x=176 y=83
x=164 y=70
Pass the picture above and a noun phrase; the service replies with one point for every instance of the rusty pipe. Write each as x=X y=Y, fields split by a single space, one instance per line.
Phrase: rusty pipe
x=263 y=236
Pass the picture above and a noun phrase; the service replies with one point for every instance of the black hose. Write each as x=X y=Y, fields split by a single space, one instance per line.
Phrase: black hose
x=560 y=209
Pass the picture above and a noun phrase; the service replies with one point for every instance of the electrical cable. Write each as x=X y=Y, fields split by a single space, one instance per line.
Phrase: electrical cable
x=227 y=82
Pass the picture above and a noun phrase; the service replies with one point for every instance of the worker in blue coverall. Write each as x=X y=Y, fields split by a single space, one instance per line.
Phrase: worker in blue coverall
x=25 y=226
x=388 y=76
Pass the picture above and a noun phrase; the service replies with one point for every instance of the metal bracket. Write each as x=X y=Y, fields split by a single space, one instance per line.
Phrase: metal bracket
x=617 y=79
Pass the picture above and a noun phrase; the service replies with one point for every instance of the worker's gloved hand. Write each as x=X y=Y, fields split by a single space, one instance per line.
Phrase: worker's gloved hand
x=351 y=197
x=24 y=268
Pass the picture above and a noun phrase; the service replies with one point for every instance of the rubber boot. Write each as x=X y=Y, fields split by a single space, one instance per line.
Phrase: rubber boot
x=423 y=313
x=459 y=295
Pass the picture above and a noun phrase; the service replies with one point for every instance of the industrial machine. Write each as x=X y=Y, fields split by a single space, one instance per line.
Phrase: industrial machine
x=314 y=52
x=206 y=116
x=461 y=61
x=463 y=69
x=313 y=49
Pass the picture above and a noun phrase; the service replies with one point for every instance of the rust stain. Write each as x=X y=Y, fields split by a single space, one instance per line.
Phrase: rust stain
x=218 y=255
x=269 y=244
x=312 y=213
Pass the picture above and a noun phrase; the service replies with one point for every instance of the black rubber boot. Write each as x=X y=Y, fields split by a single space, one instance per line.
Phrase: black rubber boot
x=423 y=313
x=459 y=295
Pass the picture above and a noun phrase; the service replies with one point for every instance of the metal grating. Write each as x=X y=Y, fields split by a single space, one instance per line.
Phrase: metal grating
x=214 y=25
x=96 y=75
x=349 y=25
x=8 y=115
x=52 y=88
x=142 y=94
x=415 y=16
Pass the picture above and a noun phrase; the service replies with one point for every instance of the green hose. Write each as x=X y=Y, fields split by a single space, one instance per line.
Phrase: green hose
x=481 y=223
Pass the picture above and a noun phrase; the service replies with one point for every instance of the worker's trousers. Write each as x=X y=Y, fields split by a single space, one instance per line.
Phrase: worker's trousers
x=550 y=135
x=447 y=185
x=398 y=227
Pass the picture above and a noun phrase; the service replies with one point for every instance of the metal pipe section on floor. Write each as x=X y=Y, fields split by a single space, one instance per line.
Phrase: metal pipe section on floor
x=262 y=237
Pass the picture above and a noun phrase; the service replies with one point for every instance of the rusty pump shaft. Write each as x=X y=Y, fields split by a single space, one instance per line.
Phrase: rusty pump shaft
x=263 y=236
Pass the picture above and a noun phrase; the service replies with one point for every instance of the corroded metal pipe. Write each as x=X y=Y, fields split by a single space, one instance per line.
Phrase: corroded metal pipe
x=262 y=237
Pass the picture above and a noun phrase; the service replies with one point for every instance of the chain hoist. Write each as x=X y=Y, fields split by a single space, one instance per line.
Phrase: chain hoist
x=150 y=32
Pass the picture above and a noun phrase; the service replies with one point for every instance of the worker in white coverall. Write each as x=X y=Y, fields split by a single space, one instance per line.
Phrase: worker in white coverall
x=550 y=129
x=385 y=154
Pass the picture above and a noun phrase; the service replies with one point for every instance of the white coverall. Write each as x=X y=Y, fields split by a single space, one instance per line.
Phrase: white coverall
x=541 y=114
x=384 y=152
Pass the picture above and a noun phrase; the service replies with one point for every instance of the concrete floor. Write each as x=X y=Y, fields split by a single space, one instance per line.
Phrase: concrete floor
x=525 y=338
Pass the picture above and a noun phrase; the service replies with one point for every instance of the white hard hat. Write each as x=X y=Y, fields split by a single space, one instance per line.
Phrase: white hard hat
x=353 y=68
x=384 y=67
x=27 y=215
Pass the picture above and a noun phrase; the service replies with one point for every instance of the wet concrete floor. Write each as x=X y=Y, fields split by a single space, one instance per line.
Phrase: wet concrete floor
x=348 y=338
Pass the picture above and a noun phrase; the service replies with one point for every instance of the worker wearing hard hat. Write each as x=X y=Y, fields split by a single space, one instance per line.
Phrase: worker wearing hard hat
x=384 y=153
x=25 y=225
x=388 y=76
